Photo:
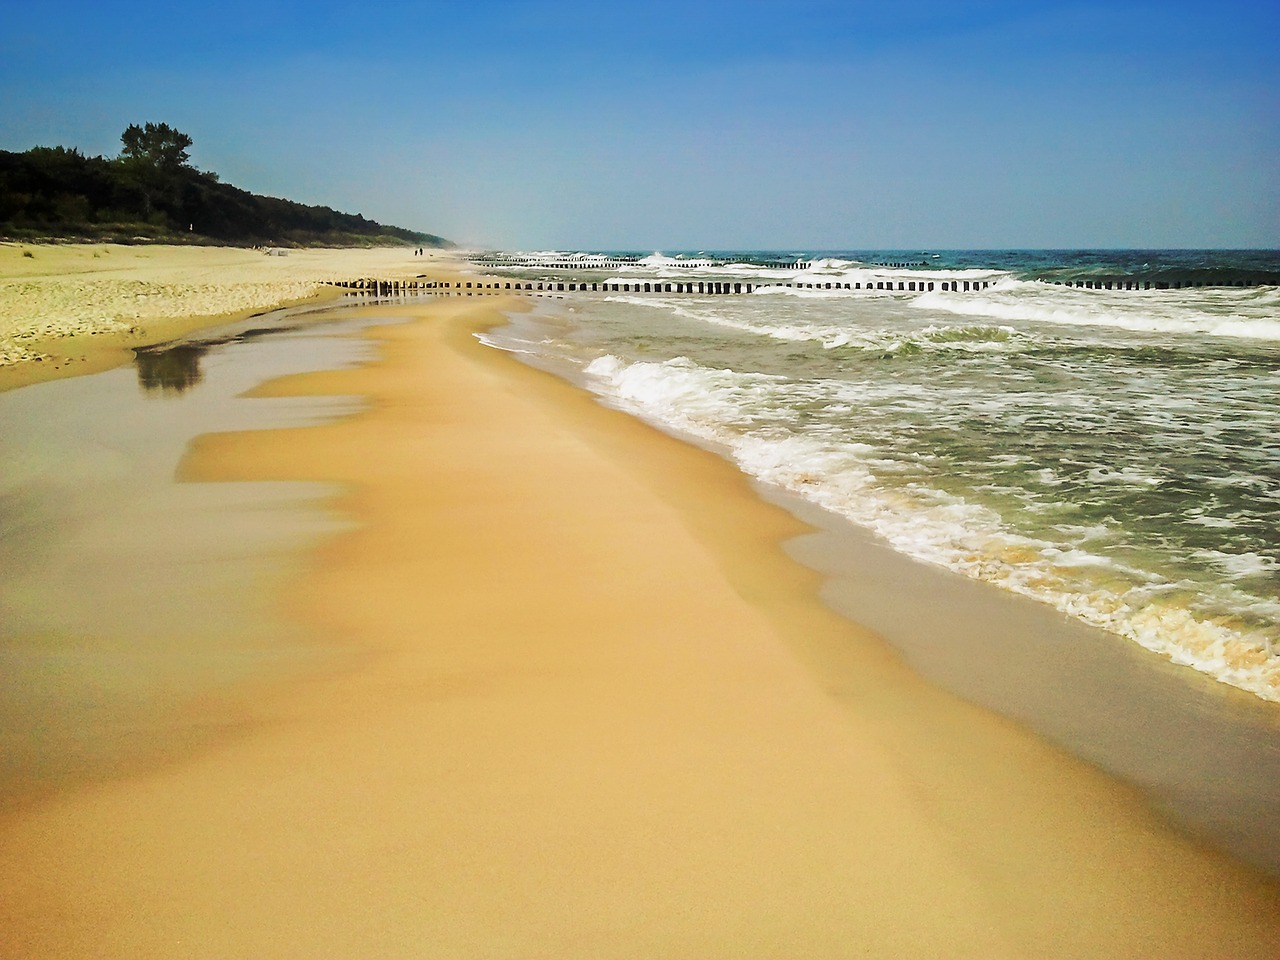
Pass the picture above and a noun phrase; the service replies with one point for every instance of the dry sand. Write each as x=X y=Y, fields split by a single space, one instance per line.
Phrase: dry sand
x=596 y=712
x=68 y=309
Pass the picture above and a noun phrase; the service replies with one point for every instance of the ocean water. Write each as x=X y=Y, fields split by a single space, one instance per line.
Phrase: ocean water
x=1112 y=452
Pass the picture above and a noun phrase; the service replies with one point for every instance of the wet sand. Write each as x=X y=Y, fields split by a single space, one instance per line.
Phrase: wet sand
x=591 y=709
x=124 y=594
x=1204 y=753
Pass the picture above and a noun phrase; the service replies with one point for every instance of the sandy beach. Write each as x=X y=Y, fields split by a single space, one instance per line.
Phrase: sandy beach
x=587 y=707
x=67 y=309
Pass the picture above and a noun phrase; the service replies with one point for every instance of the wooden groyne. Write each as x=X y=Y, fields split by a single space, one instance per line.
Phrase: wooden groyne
x=1141 y=283
x=423 y=284
x=703 y=287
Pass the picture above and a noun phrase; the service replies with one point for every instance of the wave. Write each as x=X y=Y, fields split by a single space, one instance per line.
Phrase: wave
x=829 y=336
x=852 y=480
x=982 y=337
x=1219 y=313
x=1161 y=268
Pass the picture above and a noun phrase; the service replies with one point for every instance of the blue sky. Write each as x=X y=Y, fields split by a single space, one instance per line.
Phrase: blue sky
x=702 y=124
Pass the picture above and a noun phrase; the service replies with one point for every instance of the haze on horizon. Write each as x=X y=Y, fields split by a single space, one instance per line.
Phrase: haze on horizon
x=698 y=125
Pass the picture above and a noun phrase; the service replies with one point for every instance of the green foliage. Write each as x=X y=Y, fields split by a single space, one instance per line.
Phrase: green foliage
x=151 y=192
x=157 y=145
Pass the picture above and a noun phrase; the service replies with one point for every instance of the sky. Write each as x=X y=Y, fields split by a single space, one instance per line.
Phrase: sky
x=693 y=125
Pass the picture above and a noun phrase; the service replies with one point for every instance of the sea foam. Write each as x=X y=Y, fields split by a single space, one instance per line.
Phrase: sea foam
x=937 y=527
x=1202 y=312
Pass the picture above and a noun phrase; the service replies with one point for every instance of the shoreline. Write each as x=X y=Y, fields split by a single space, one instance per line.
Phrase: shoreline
x=1090 y=691
x=598 y=712
x=76 y=308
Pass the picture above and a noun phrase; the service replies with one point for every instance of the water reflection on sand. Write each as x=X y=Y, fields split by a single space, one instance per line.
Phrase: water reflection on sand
x=124 y=594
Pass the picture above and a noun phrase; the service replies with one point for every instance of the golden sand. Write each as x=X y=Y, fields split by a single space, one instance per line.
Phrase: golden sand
x=68 y=309
x=593 y=712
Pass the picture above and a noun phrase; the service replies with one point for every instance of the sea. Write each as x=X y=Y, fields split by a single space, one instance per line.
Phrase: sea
x=1097 y=430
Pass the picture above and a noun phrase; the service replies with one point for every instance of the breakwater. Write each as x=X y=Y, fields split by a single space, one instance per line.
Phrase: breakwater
x=1165 y=282
x=703 y=287
x=708 y=287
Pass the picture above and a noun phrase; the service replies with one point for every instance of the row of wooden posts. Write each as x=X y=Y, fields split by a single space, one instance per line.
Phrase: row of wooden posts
x=711 y=287
x=720 y=287
x=1128 y=283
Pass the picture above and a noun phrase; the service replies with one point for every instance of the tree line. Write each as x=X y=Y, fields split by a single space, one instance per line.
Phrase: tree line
x=152 y=192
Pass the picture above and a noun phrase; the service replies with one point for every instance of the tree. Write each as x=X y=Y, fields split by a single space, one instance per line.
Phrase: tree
x=157 y=145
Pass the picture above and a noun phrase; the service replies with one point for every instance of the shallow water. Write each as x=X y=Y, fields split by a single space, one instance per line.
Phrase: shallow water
x=1110 y=452
x=1206 y=755
x=126 y=595
x=1109 y=455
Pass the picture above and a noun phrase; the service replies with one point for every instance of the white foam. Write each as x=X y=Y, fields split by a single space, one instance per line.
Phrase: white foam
x=1128 y=476
x=1254 y=329
x=938 y=527
x=1221 y=523
x=1240 y=565
x=1148 y=311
